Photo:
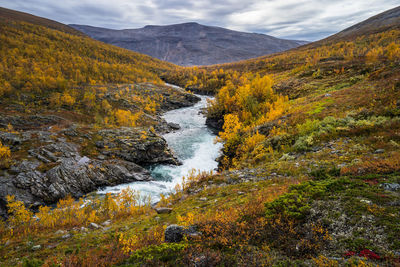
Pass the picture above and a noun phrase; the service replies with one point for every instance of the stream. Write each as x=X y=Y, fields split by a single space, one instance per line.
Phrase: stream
x=193 y=144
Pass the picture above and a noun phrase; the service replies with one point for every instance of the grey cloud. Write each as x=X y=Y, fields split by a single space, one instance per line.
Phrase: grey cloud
x=292 y=19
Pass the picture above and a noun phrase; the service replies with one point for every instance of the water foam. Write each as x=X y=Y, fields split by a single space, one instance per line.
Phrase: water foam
x=193 y=144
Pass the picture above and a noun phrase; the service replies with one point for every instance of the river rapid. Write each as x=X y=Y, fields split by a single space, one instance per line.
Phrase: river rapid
x=193 y=144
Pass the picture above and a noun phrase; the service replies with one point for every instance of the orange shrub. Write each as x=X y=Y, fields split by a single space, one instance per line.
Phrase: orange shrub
x=372 y=165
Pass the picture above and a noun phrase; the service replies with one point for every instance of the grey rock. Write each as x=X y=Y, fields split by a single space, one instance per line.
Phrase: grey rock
x=37 y=247
x=106 y=223
x=131 y=147
x=10 y=139
x=391 y=186
x=215 y=124
x=94 y=226
x=68 y=177
x=66 y=236
x=174 y=126
x=163 y=210
x=174 y=233
x=379 y=151
x=369 y=202
x=49 y=155
x=71 y=131
x=30 y=122
x=60 y=232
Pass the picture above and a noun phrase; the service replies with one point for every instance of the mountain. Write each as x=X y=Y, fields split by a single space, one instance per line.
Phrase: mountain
x=384 y=21
x=191 y=43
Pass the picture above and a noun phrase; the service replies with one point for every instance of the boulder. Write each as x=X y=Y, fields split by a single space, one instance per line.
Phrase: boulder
x=60 y=232
x=174 y=126
x=94 y=226
x=391 y=186
x=106 y=223
x=174 y=233
x=37 y=247
x=163 y=210
x=66 y=236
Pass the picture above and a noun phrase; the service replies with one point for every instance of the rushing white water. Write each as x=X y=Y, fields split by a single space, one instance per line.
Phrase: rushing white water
x=193 y=144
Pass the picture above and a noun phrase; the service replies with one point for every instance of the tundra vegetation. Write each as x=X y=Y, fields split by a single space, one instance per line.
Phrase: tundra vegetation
x=310 y=171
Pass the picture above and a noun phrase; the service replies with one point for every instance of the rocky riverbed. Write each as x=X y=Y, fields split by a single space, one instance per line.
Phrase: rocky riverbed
x=54 y=156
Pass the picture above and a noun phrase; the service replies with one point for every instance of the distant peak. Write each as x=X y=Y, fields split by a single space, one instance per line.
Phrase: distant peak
x=178 y=24
x=191 y=23
x=151 y=26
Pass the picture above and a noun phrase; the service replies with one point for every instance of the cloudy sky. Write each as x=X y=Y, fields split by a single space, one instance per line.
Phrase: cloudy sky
x=294 y=19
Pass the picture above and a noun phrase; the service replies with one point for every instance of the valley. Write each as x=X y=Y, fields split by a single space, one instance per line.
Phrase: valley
x=109 y=157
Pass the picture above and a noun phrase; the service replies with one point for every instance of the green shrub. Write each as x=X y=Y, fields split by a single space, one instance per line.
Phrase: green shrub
x=307 y=127
x=304 y=143
x=278 y=141
x=32 y=262
x=296 y=203
x=324 y=173
x=155 y=254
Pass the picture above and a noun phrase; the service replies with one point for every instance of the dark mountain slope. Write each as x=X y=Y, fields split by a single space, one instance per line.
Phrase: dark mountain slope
x=13 y=15
x=384 y=21
x=191 y=43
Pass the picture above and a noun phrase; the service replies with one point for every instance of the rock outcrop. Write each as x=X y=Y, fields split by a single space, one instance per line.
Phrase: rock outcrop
x=148 y=148
x=57 y=170
x=56 y=165
x=215 y=124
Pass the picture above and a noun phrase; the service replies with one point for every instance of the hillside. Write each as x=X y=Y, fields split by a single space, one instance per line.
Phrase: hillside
x=37 y=57
x=309 y=173
x=61 y=94
x=191 y=43
x=388 y=20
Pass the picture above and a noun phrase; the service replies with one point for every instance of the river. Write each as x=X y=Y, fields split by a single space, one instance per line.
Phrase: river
x=193 y=144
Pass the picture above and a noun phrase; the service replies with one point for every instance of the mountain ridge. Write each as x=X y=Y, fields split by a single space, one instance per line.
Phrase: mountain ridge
x=14 y=15
x=386 y=20
x=191 y=43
